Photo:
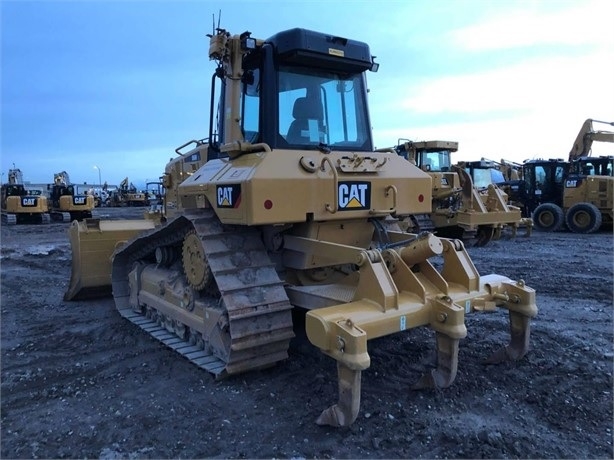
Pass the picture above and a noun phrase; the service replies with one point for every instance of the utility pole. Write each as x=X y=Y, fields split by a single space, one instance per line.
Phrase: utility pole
x=99 y=178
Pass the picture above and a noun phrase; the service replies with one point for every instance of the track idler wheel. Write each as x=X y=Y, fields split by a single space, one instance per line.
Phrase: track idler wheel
x=195 y=266
x=447 y=365
x=346 y=410
x=520 y=329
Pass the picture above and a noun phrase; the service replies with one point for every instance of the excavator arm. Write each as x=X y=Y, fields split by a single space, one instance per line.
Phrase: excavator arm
x=61 y=178
x=15 y=176
x=586 y=136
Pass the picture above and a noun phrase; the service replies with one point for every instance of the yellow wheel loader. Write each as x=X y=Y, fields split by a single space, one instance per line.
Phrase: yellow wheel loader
x=459 y=209
x=19 y=206
x=283 y=207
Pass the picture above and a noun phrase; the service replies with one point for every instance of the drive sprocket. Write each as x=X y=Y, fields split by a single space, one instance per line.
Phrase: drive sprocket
x=195 y=265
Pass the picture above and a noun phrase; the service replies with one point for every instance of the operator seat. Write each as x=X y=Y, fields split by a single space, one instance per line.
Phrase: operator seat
x=305 y=109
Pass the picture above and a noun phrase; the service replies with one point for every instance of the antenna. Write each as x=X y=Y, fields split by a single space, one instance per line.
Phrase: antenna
x=219 y=18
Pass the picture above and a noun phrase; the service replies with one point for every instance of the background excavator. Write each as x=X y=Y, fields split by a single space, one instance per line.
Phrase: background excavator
x=459 y=208
x=282 y=209
x=20 y=206
x=66 y=204
x=587 y=135
x=577 y=193
x=127 y=195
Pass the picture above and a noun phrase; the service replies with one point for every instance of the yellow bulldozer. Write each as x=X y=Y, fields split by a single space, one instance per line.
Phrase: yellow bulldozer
x=19 y=206
x=282 y=208
x=461 y=210
x=66 y=204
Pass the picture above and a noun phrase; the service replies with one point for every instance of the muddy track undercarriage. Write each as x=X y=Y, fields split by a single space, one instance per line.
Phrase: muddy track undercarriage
x=208 y=291
x=61 y=216
x=9 y=218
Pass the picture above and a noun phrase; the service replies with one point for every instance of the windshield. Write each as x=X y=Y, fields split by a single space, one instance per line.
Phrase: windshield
x=482 y=178
x=437 y=161
x=323 y=108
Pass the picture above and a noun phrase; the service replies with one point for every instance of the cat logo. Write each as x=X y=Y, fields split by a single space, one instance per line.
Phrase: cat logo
x=79 y=200
x=28 y=201
x=572 y=183
x=354 y=195
x=228 y=196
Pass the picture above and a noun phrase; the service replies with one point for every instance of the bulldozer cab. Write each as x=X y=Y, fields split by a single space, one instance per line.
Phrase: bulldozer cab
x=483 y=172
x=284 y=101
x=434 y=156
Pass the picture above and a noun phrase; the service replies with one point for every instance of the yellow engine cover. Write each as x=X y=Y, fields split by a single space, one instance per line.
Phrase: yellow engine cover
x=286 y=186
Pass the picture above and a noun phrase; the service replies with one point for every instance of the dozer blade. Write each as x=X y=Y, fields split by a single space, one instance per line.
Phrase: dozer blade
x=92 y=244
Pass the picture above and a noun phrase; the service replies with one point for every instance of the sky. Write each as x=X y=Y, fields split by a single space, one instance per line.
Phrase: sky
x=108 y=89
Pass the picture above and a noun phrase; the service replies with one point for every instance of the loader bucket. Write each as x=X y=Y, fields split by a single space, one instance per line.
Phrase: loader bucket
x=92 y=243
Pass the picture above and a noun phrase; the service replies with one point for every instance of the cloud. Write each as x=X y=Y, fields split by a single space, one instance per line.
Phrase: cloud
x=517 y=138
x=531 y=79
x=582 y=23
x=551 y=84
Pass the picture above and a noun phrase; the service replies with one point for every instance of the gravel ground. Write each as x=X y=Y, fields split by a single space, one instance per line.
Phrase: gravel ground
x=79 y=381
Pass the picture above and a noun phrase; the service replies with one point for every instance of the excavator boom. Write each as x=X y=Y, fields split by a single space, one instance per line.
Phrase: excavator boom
x=586 y=136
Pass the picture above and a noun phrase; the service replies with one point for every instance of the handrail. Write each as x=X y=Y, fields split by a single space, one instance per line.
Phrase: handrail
x=330 y=208
x=394 y=202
